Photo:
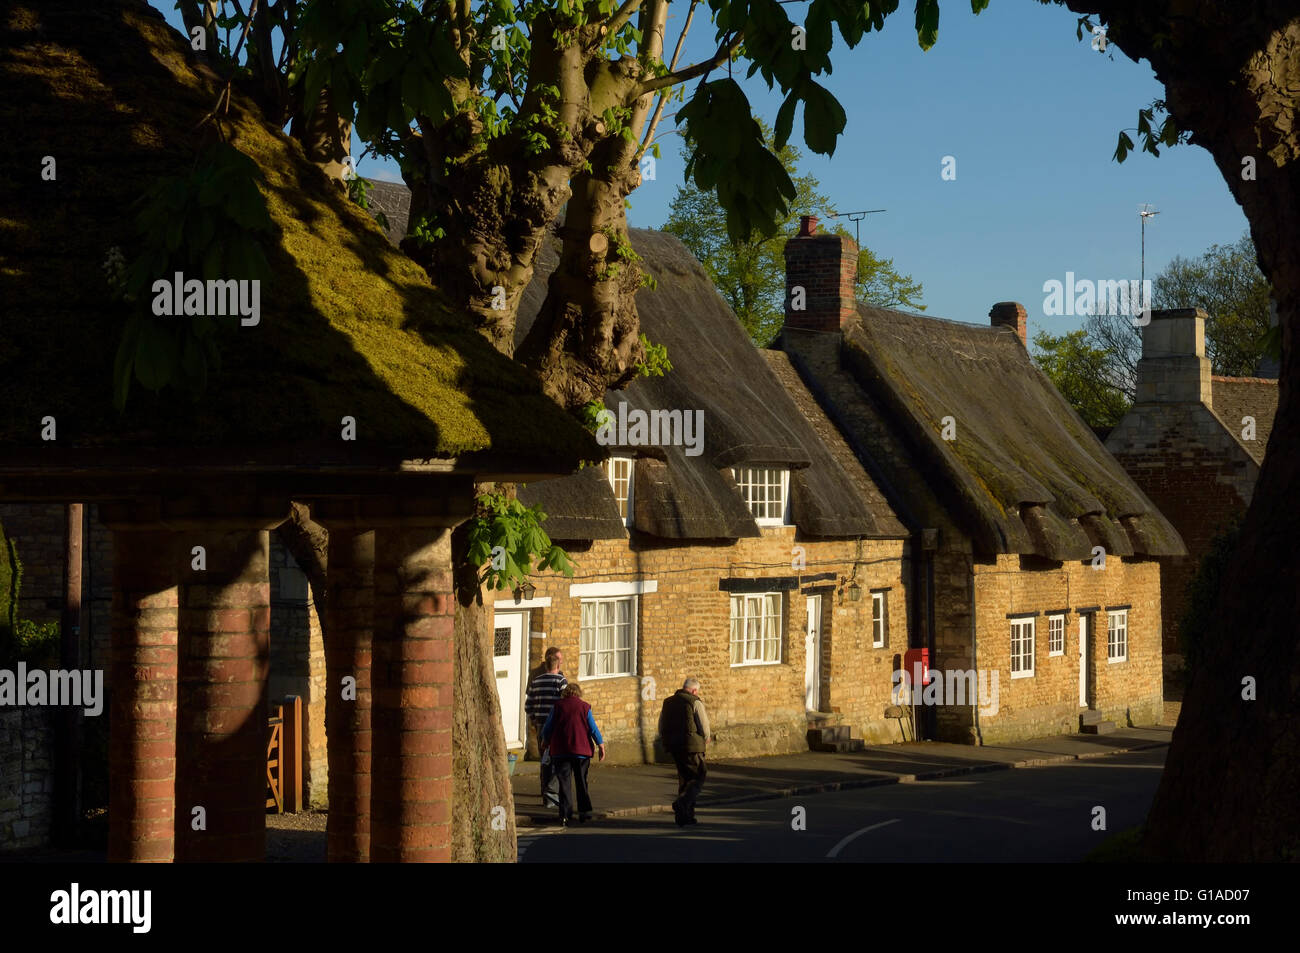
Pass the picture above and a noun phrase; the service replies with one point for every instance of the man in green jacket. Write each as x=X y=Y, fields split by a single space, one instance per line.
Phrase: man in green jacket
x=684 y=730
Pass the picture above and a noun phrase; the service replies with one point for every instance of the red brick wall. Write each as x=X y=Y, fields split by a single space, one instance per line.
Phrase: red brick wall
x=1196 y=474
x=825 y=266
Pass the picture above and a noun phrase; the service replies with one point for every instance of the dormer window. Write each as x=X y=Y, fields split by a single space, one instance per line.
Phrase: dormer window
x=619 y=472
x=767 y=493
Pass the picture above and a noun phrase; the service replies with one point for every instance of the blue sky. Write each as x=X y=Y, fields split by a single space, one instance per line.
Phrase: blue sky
x=1031 y=116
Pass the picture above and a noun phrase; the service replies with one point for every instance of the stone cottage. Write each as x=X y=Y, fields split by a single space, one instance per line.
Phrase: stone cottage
x=1038 y=553
x=1194 y=442
x=725 y=539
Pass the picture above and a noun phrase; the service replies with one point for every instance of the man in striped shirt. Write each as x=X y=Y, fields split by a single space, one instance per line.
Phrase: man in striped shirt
x=543 y=692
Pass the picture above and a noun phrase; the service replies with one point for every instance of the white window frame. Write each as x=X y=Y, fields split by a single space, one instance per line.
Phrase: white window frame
x=1055 y=638
x=744 y=600
x=744 y=479
x=880 y=638
x=633 y=607
x=1021 y=639
x=1113 y=616
x=626 y=501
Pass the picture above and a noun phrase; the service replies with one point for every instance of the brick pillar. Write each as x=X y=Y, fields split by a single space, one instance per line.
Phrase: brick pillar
x=350 y=625
x=142 y=744
x=820 y=271
x=225 y=624
x=412 y=692
x=1011 y=314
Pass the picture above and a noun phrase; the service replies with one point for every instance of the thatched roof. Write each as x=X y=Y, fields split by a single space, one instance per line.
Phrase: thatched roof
x=1236 y=397
x=1025 y=474
x=749 y=420
x=349 y=326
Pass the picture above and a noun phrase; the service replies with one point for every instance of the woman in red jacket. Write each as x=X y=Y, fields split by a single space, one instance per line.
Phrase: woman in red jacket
x=568 y=734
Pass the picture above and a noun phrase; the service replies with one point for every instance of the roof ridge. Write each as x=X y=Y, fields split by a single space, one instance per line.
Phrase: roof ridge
x=1244 y=380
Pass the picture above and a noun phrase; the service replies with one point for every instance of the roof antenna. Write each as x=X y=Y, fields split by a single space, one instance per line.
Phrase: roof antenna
x=1145 y=211
x=856 y=218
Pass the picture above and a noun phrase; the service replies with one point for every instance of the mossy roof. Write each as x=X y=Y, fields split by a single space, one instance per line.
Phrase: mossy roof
x=349 y=326
x=1023 y=473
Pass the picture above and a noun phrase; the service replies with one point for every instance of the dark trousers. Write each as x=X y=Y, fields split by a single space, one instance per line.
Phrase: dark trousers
x=575 y=768
x=547 y=770
x=691 y=773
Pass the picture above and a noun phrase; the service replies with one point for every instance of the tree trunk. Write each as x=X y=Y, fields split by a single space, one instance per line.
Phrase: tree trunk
x=326 y=138
x=586 y=338
x=481 y=793
x=1228 y=792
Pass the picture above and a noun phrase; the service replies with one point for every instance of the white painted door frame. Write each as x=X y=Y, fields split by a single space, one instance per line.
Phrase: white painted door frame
x=512 y=675
x=1083 y=660
x=812 y=679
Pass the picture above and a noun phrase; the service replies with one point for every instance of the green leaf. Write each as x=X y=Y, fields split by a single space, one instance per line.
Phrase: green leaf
x=927 y=22
x=785 y=122
x=978 y=6
x=1123 y=148
x=155 y=355
x=823 y=119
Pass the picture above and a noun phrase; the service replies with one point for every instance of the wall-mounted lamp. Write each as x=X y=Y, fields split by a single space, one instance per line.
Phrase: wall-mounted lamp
x=855 y=592
x=528 y=589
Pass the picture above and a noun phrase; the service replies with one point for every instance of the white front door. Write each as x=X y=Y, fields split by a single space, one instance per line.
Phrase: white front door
x=1083 y=661
x=508 y=660
x=812 y=677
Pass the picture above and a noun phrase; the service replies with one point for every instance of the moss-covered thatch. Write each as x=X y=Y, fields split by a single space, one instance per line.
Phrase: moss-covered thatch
x=349 y=326
x=1024 y=472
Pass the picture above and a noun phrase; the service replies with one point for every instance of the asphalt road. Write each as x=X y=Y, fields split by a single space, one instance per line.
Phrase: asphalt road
x=1028 y=814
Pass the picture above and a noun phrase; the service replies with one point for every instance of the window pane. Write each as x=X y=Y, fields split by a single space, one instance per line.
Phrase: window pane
x=624 y=610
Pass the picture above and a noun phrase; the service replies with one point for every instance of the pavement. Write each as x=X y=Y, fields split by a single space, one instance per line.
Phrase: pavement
x=636 y=789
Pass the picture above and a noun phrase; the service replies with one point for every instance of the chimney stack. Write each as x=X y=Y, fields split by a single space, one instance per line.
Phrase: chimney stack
x=820 y=271
x=1173 y=368
x=1011 y=314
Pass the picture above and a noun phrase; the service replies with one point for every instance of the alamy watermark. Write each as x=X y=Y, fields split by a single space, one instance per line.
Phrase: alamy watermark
x=77 y=906
x=1085 y=297
x=655 y=428
x=954 y=687
x=214 y=298
x=58 y=688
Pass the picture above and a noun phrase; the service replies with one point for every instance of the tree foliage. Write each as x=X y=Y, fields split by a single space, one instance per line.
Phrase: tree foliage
x=1079 y=371
x=749 y=272
x=503 y=113
x=1095 y=368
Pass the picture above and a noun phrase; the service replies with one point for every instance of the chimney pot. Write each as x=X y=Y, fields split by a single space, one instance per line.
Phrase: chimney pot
x=807 y=225
x=1011 y=314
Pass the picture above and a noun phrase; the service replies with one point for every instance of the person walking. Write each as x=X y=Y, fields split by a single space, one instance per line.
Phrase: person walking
x=684 y=730
x=543 y=692
x=569 y=734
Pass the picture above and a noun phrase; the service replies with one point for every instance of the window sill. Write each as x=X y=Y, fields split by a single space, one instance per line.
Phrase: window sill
x=1022 y=674
x=754 y=664
x=598 y=678
x=1060 y=654
x=1113 y=661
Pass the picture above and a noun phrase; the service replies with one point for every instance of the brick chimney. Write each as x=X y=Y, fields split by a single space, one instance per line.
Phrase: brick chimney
x=1173 y=368
x=1011 y=314
x=819 y=274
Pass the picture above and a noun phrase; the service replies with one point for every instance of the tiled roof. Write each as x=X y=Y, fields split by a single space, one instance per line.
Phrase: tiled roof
x=1235 y=398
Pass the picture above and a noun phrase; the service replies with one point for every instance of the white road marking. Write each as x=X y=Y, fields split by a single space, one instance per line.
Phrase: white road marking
x=844 y=843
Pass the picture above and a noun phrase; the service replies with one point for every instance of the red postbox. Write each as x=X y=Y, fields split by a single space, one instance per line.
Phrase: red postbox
x=916 y=663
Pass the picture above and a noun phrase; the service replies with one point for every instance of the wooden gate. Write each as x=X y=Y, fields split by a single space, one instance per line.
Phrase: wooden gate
x=284 y=756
